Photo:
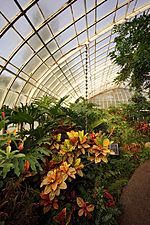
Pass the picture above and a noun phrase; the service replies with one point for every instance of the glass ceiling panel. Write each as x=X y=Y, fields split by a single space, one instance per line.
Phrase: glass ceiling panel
x=7 y=46
x=32 y=65
x=22 y=56
x=17 y=85
x=23 y=3
x=8 y=101
x=3 y=22
x=61 y=21
x=23 y=27
x=43 y=49
x=35 y=16
x=49 y=7
x=5 y=9
x=45 y=34
x=78 y=9
x=22 y=99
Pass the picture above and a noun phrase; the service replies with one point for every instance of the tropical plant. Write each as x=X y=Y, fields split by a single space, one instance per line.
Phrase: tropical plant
x=72 y=153
x=132 y=52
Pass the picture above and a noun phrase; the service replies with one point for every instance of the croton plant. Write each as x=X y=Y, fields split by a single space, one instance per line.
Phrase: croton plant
x=71 y=152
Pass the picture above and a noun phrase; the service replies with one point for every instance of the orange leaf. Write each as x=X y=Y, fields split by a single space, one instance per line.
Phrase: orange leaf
x=20 y=146
x=54 y=186
x=80 y=202
x=80 y=212
x=26 y=165
x=55 y=205
x=106 y=142
x=90 y=208
x=86 y=146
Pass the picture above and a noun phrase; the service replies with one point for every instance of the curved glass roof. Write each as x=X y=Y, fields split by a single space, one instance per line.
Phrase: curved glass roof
x=43 y=47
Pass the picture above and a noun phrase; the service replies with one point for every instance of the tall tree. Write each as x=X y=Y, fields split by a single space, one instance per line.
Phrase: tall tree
x=132 y=53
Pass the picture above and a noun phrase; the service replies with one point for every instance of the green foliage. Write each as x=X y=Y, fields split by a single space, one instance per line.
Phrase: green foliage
x=144 y=155
x=43 y=150
x=132 y=52
x=9 y=161
x=82 y=109
x=12 y=160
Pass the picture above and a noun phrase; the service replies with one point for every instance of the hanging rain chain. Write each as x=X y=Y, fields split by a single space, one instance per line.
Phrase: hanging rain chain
x=86 y=84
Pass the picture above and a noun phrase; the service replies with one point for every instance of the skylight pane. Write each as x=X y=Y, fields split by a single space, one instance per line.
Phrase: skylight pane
x=22 y=56
x=17 y=85
x=35 y=42
x=3 y=22
x=11 y=99
x=9 y=43
x=5 y=8
x=35 y=16
x=32 y=65
x=23 y=27
x=48 y=7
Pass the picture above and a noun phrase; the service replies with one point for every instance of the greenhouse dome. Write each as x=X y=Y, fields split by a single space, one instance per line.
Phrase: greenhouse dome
x=61 y=48
x=75 y=112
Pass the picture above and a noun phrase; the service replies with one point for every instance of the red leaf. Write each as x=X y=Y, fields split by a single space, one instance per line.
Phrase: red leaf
x=3 y=115
x=60 y=218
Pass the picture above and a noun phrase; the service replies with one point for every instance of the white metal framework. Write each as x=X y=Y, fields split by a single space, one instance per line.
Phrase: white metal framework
x=42 y=47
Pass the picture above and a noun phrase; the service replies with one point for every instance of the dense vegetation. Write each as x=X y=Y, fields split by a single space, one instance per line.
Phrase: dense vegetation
x=55 y=173
x=132 y=53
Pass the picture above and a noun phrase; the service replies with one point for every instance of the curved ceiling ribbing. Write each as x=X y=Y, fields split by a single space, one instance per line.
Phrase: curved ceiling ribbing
x=43 y=46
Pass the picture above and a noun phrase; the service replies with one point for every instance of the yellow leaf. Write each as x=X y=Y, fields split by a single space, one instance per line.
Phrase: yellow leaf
x=83 y=151
x=86 y=146
x=57 y=192
x=80 y=173
x=77 y=162
x=105 y=159
x=82 y=137
x=58 y=137
x=51 y=196
x=79 y=146
x=47 y=189
x=106 y=142
x=80 y=202
x=97 y=159
x=63 y=185
x=72 y=134
x=56 y=146
x=72 y=172
x=8 y=149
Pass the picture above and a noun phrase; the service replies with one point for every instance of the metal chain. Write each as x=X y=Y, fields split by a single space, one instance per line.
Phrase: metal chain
x=86 y=84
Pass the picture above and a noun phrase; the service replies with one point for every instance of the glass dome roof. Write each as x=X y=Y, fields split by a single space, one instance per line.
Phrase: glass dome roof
x=43 y=48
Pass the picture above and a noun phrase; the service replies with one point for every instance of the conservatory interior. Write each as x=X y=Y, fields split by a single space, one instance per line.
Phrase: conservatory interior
x=74 y=112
